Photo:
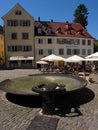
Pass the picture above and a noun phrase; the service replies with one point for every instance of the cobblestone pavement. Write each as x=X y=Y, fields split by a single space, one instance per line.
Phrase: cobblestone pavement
x=17 y=117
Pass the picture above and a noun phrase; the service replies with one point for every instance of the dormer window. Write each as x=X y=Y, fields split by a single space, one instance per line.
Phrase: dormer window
x=80 y=31
x=18 y=12
x=59 y=30
x=68 y=28
x=39 y=31
x=68 y=32
x=49 y=31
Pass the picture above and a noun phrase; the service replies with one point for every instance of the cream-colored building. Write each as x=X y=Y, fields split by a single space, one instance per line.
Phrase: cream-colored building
x=19 y=38
x=64 y=39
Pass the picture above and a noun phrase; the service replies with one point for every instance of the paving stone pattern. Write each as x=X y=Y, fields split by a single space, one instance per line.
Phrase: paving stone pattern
x=43 y=123
x=17 y=117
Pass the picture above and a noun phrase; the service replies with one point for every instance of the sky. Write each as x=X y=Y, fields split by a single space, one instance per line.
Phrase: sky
x=56 y=10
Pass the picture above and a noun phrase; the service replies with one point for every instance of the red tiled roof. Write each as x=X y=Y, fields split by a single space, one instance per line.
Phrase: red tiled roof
x=63 y=29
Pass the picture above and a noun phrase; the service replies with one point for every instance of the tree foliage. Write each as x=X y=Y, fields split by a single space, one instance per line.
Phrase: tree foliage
x=81 y=15
x=96 y=46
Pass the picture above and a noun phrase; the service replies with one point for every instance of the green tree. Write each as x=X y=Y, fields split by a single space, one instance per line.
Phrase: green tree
x=81 y=15
x=95 y=45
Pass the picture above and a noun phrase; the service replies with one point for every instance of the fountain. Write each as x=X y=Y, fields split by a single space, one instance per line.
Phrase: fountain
x=48 y=85
x=23 y=85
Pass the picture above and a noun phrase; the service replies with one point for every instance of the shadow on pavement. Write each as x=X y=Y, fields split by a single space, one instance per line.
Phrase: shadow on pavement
x=70 y=103
x=25 y=100
x=65 y=104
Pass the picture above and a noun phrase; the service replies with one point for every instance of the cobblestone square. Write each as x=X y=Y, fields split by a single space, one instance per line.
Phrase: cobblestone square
x=18 y=117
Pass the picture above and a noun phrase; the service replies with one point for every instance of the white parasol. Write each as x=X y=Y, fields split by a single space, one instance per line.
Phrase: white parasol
x=94 y=55
x=53 y=58
x=74 y=58
x=42 y=62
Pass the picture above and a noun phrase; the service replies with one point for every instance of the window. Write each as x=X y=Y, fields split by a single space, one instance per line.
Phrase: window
x=89 y=51
x=61 y=51
x=25 y=23
x=41 y=52
x=12 y=22
x=83 y=52
x=77 y=41
x=39 y=31
x=65 y=41
x=25 y=36
x=49 y=41
x=68 y=51
x=18 y=12
x=89 y=42
x=49 y=31
x=49 y=51
x=68 y=32
x=76 y=51
x=40 y=41
x=58 y=30
x=19 y=48
x=26 y=63
x=59 y=41
x=14 y=36
x=83 y=42
x=26 y=48
x=18 y=23
x=12 y=48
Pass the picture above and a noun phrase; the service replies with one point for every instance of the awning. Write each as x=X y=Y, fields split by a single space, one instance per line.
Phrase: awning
x=16 y=58
x=42 y=62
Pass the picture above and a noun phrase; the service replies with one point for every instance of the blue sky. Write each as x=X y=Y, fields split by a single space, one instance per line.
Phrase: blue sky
x=57 y=10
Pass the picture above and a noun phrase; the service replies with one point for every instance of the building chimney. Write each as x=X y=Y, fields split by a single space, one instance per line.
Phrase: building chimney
x=67 y=25
x=51 y=20
x=38 y=19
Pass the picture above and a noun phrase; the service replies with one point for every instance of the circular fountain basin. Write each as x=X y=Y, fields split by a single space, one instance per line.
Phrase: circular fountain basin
x=23 y=85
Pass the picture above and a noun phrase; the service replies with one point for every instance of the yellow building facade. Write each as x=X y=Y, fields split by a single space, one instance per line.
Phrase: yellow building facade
x=19 y=38
x=1 y=47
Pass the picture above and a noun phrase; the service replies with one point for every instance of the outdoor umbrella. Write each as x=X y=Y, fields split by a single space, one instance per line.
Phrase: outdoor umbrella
x=91 y=59
x=53 y=58
x=42 y=62
x=94 y=55
x=74 y=58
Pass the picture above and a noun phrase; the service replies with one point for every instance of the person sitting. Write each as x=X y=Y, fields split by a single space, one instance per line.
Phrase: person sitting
x=56 y=69
x=91 y=78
